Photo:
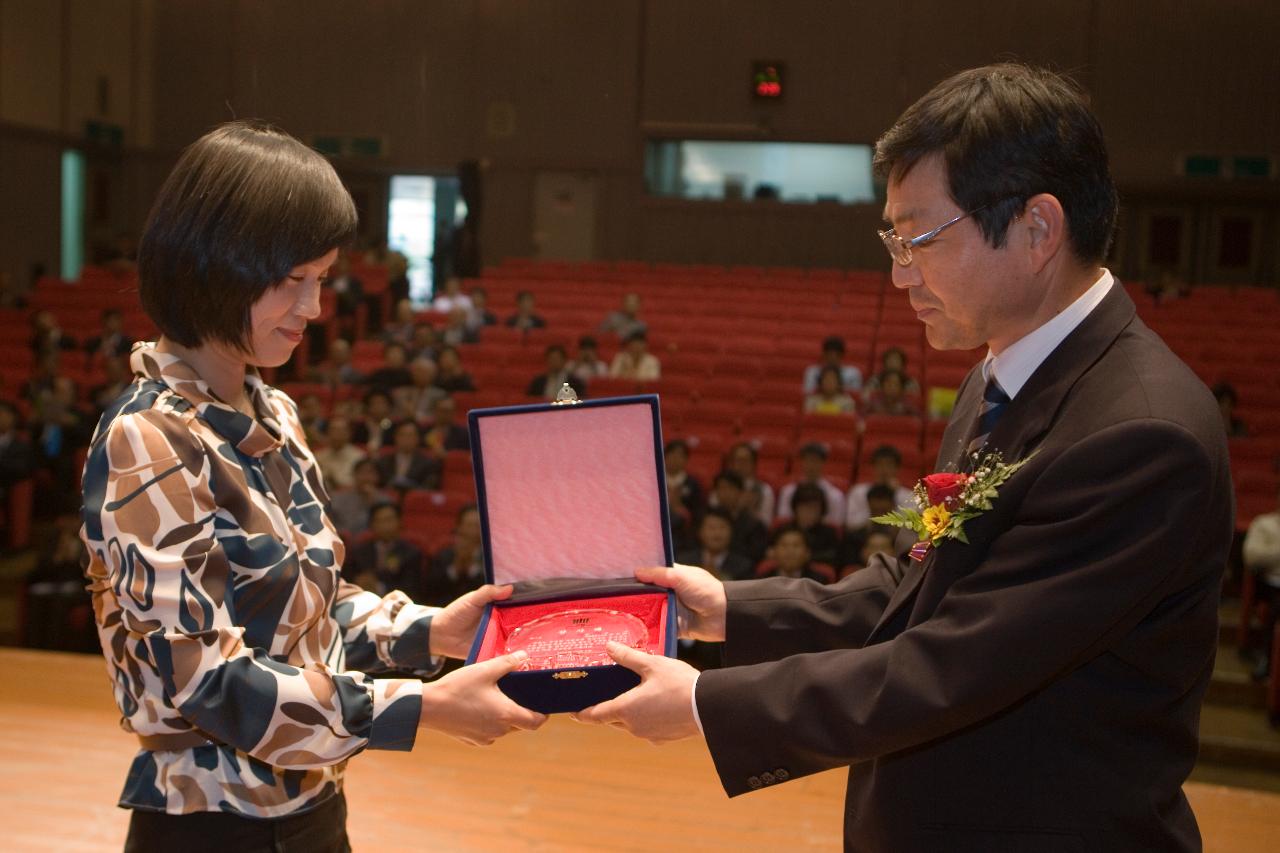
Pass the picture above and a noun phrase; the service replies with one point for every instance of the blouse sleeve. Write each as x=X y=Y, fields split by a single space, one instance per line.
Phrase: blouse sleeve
x=386 y=632
x=150 y=518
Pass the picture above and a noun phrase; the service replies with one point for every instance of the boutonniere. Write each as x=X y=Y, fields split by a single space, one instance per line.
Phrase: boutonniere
x=946 y=501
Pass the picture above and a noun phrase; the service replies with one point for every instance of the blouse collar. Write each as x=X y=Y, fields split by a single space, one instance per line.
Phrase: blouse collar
x=254 y=436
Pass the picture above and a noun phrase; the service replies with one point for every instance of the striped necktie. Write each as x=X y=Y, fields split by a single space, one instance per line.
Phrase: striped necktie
x=994 y=402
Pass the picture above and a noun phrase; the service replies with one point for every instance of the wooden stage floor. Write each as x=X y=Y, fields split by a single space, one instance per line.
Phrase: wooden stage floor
x=566 y=787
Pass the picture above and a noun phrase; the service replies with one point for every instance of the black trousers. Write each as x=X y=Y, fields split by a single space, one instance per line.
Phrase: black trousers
x=321 y=830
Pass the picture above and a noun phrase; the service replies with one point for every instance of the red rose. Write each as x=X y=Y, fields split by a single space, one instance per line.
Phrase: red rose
x=945 y=488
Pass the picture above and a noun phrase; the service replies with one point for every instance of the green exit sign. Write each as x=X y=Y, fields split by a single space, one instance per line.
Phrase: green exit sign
x=1202 y=166
x=1251 y=167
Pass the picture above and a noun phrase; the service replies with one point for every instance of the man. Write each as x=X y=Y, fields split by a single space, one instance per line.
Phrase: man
x=409 y=467
x=885 y=462
x=548 y=384
x=813 y=462
x=715 y=532
x=1038 y=686
x=833 y=356
x=386 y=560
x=1261 y=554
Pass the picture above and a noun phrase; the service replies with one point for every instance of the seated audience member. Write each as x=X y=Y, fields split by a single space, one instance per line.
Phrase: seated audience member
x=350 y=508
x=789 y=557
x=417 y=400
x=59 y=611
x=60 y=428
x=381 y=255
x=408 y=466
x=336 y=368
x=47 y=335
x=457 y=568
x=480 y=316
x=891 y=359
x=457 y=331
x=373 y=429
x=345 y=286
x=749 y=536
x=111 y=341
x=548 y=383
x=445 y=435
x=48 y=369
x=1261 y=555
x=833 y=356
x=394 y=372
x=675 y=457
x=830 y=398
x=880 y=501
x=588 y=365
x=625 y=321
x=1166 y=287
x=758 y=495
x=451 y=297
x=885 y=464
x=634 y=361
x=1225 y=394
x=425 y=342
x=808 y=505
x=875 y=542
x=450 y=375
x=525 y=317
x=891 y=397
x=713 y=553
x=385 y=560
x=338 y=458
x=399 y=329
x=813 y=462
x=17 y=458
x=116 y=377
x=311 y=415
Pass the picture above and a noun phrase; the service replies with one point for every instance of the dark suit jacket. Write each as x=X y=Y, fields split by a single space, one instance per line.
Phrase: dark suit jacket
x=1038 y=688
x=403 y=568
x=424 y=472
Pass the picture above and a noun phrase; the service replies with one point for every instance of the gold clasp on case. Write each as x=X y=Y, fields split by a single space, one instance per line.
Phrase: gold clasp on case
x=573 y=673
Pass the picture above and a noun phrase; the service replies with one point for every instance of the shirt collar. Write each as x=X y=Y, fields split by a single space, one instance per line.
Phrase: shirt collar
x=1014 y=366
x=254 y=436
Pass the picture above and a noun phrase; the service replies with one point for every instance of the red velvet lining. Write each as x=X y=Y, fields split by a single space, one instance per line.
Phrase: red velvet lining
x=650 y=607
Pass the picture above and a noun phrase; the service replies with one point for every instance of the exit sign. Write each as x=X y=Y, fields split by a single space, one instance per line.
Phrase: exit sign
x=766 y=80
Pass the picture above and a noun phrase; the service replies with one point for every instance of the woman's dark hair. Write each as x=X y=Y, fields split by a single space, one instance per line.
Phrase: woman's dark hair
x=809 y=493
x=833 y=371
x=1007 y=132
x=244 y=206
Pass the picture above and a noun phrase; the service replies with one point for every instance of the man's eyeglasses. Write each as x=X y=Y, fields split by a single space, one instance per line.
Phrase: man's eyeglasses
x=900 y=250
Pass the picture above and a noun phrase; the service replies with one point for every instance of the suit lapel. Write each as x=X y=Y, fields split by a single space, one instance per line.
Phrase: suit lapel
x=1025 y=421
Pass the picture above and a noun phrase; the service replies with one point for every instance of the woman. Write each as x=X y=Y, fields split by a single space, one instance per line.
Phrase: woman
x=830 y=398
x=237 y=655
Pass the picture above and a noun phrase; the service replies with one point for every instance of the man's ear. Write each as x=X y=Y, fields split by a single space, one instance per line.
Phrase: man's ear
x=1046 y=225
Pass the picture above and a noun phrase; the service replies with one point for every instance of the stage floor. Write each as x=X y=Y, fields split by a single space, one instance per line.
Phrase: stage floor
x=566 y=787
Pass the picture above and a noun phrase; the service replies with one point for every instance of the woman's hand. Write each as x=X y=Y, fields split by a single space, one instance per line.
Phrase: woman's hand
x=467 y=704
x=454 y=628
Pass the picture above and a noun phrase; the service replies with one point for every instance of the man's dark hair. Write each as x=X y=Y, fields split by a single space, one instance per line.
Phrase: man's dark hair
x=374 y=392
x=587 y=341
x=716 y=512
x=887 y=451
x=790 y=527
x=731 y=478
x=244 y=206
x=809 y=493
x=637 y=335
x=381 y=505
x=555 y=348
x=833 y=343
x=1007 y=132
x=676 y=444
x=880 y=492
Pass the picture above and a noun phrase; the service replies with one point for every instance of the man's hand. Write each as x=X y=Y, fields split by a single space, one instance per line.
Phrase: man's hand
x=454 y=628
x=701 y=598
x=660 y=709
x=467 y=704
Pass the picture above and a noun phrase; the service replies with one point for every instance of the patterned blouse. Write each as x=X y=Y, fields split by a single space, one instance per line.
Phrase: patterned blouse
x=214 y=571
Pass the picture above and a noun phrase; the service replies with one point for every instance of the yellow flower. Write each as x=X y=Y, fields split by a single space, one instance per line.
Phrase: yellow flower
x=936 y=519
